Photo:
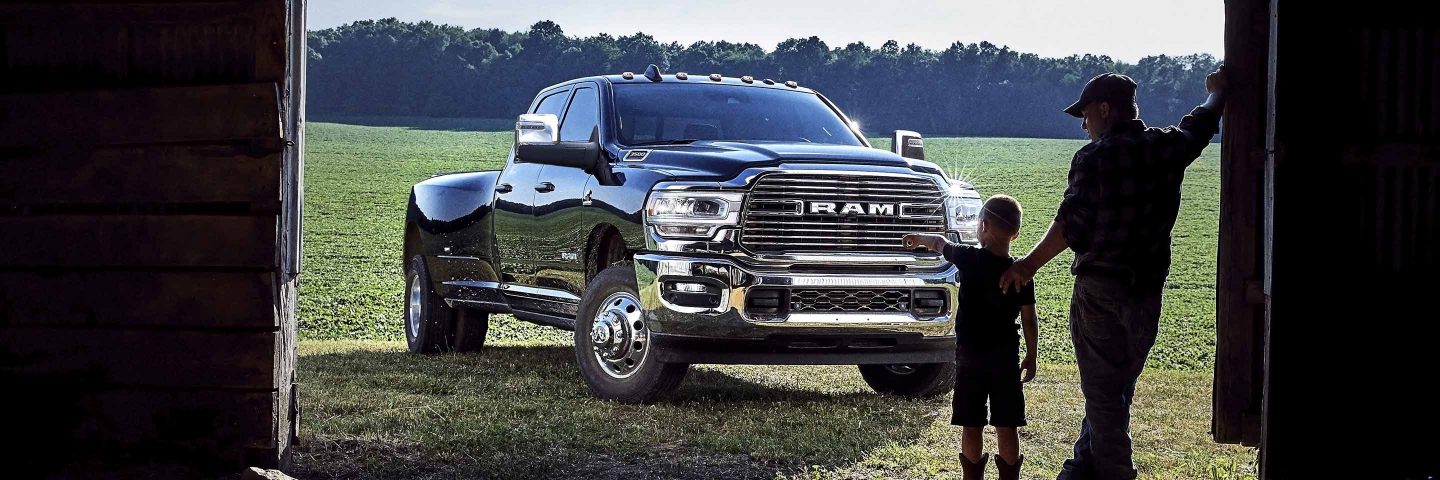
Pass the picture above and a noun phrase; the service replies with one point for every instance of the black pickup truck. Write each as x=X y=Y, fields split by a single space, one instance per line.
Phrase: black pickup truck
x=677 y=219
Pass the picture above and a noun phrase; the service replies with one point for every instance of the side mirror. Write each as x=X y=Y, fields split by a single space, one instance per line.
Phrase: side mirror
x=537 y=128
x=908 y=144
x=537 y=140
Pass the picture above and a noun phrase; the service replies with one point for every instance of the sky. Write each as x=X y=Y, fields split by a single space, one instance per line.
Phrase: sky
x=1126 y=30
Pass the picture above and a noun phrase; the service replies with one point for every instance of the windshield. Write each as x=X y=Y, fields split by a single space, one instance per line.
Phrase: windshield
x=677 y=113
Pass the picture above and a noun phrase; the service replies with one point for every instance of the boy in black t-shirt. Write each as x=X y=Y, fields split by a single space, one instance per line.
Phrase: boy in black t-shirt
x=987 y=344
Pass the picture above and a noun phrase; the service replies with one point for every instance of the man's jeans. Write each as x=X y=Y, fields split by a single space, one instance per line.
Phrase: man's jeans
x=1113 y=328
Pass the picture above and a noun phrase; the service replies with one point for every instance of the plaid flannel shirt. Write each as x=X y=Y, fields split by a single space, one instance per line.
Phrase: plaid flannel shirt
x=1124 y=195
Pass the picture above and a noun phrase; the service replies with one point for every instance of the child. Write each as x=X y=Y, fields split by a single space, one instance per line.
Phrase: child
x=987 y=345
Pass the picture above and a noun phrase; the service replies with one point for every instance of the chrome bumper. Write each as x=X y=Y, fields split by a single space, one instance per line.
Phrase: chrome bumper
x=729 y=319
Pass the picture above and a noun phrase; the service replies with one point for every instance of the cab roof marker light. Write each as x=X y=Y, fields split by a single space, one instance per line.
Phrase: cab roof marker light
x=714 y=77
x=791 y=84
x=682 y=76
x=747 y=79
x=628 y=75
x=769 y=81
x=652 y=72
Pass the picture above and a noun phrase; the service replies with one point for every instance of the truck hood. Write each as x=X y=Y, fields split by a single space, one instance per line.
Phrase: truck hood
x=725 y=160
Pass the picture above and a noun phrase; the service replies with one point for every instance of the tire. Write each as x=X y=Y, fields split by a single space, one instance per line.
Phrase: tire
x=429 y=323
x=918 y=380
x=470 y=328
x=617 y=370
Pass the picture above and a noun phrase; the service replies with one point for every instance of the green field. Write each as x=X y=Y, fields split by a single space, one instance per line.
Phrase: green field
x=519 y=408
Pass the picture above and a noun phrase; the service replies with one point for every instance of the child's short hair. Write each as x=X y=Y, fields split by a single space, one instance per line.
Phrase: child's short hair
x=1003 y=212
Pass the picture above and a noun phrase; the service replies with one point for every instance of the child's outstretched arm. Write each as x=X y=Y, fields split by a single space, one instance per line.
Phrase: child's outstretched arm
x=1032 y=340
x=955 y=253
x=928 y=241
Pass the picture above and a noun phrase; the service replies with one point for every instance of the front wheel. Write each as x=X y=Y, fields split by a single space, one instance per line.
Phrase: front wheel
x=612 y=342
x=910 y=380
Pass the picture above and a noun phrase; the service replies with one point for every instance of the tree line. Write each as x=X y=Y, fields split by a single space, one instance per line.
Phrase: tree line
x=389 y=67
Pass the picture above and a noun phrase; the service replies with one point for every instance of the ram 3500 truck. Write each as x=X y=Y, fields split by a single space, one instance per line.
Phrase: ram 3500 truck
x=670 y=220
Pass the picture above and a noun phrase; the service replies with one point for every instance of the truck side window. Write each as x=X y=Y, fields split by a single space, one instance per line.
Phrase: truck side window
x=553 y=104
x=582 y=118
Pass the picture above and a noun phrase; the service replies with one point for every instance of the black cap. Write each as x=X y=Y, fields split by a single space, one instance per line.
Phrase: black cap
x=1109 y=87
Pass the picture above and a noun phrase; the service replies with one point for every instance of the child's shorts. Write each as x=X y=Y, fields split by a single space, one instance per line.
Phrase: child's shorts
x=991 y=373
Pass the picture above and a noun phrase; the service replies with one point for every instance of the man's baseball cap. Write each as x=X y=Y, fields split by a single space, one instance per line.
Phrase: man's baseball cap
x=1110 y=87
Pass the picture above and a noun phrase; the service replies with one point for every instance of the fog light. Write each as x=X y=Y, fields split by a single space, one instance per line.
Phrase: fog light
x=683 y=230
x=928 y=301
x=690 y=287
x=692 y=294
x=767 y=301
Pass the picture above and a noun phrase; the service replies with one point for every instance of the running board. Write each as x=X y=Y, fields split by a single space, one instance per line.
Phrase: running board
x=563 y=323
x=497 y=297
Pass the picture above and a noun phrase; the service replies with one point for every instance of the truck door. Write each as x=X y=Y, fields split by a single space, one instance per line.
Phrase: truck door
x=562 y=226
x=514 y=204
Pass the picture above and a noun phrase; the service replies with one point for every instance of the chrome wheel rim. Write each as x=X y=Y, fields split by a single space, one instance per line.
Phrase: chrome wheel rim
x=619 y=338
x=415 y=305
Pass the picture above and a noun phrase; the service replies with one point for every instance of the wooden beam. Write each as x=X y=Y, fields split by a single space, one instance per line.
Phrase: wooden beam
x=150 y=299
x=137 y=241
x=224 y=173
x=116 y=358
x=287 y=402
x=1238 y=309
x=141 y=116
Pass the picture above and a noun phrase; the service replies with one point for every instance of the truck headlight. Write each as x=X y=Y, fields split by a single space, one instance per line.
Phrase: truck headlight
x=692 y=214
x=962 y=214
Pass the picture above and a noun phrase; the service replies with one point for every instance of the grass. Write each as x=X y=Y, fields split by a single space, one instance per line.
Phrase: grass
x=519 y=409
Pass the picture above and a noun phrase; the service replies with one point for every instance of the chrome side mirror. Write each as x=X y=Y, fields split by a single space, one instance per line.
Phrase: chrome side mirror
x=908 y=144
x=537 y=129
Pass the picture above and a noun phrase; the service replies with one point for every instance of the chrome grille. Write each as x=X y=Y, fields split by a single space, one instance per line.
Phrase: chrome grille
x=787 y=212
x=849 y=301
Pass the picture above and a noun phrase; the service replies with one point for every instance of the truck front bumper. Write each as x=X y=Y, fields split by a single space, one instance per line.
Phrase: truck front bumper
x=715 y=310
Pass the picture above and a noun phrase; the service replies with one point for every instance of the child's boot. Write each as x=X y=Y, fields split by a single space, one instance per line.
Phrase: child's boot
x=1008 y=471
x=973 y=470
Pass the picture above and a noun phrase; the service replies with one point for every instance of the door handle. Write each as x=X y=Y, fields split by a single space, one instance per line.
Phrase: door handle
x=544 y=187
x=504 y=188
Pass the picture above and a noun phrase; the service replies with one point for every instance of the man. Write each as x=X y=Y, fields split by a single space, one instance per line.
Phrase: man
x=1117 y=215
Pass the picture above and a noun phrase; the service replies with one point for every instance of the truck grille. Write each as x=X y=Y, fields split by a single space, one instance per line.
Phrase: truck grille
x=849 y=301
x=852 y=212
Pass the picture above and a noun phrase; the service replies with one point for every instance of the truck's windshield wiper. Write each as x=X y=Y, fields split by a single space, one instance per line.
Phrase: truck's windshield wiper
x=679 y=141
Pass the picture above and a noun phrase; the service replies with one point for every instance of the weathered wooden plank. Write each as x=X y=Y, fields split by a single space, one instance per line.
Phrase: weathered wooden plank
x=103 y=357
x=126 y=13
x=141 y=115
x=65 y=424
x=138 y=240
x=230 y=173
x=81 y=56
x=270 y=40
x=287 y=401
x=1392 y=154
x=159 y=299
